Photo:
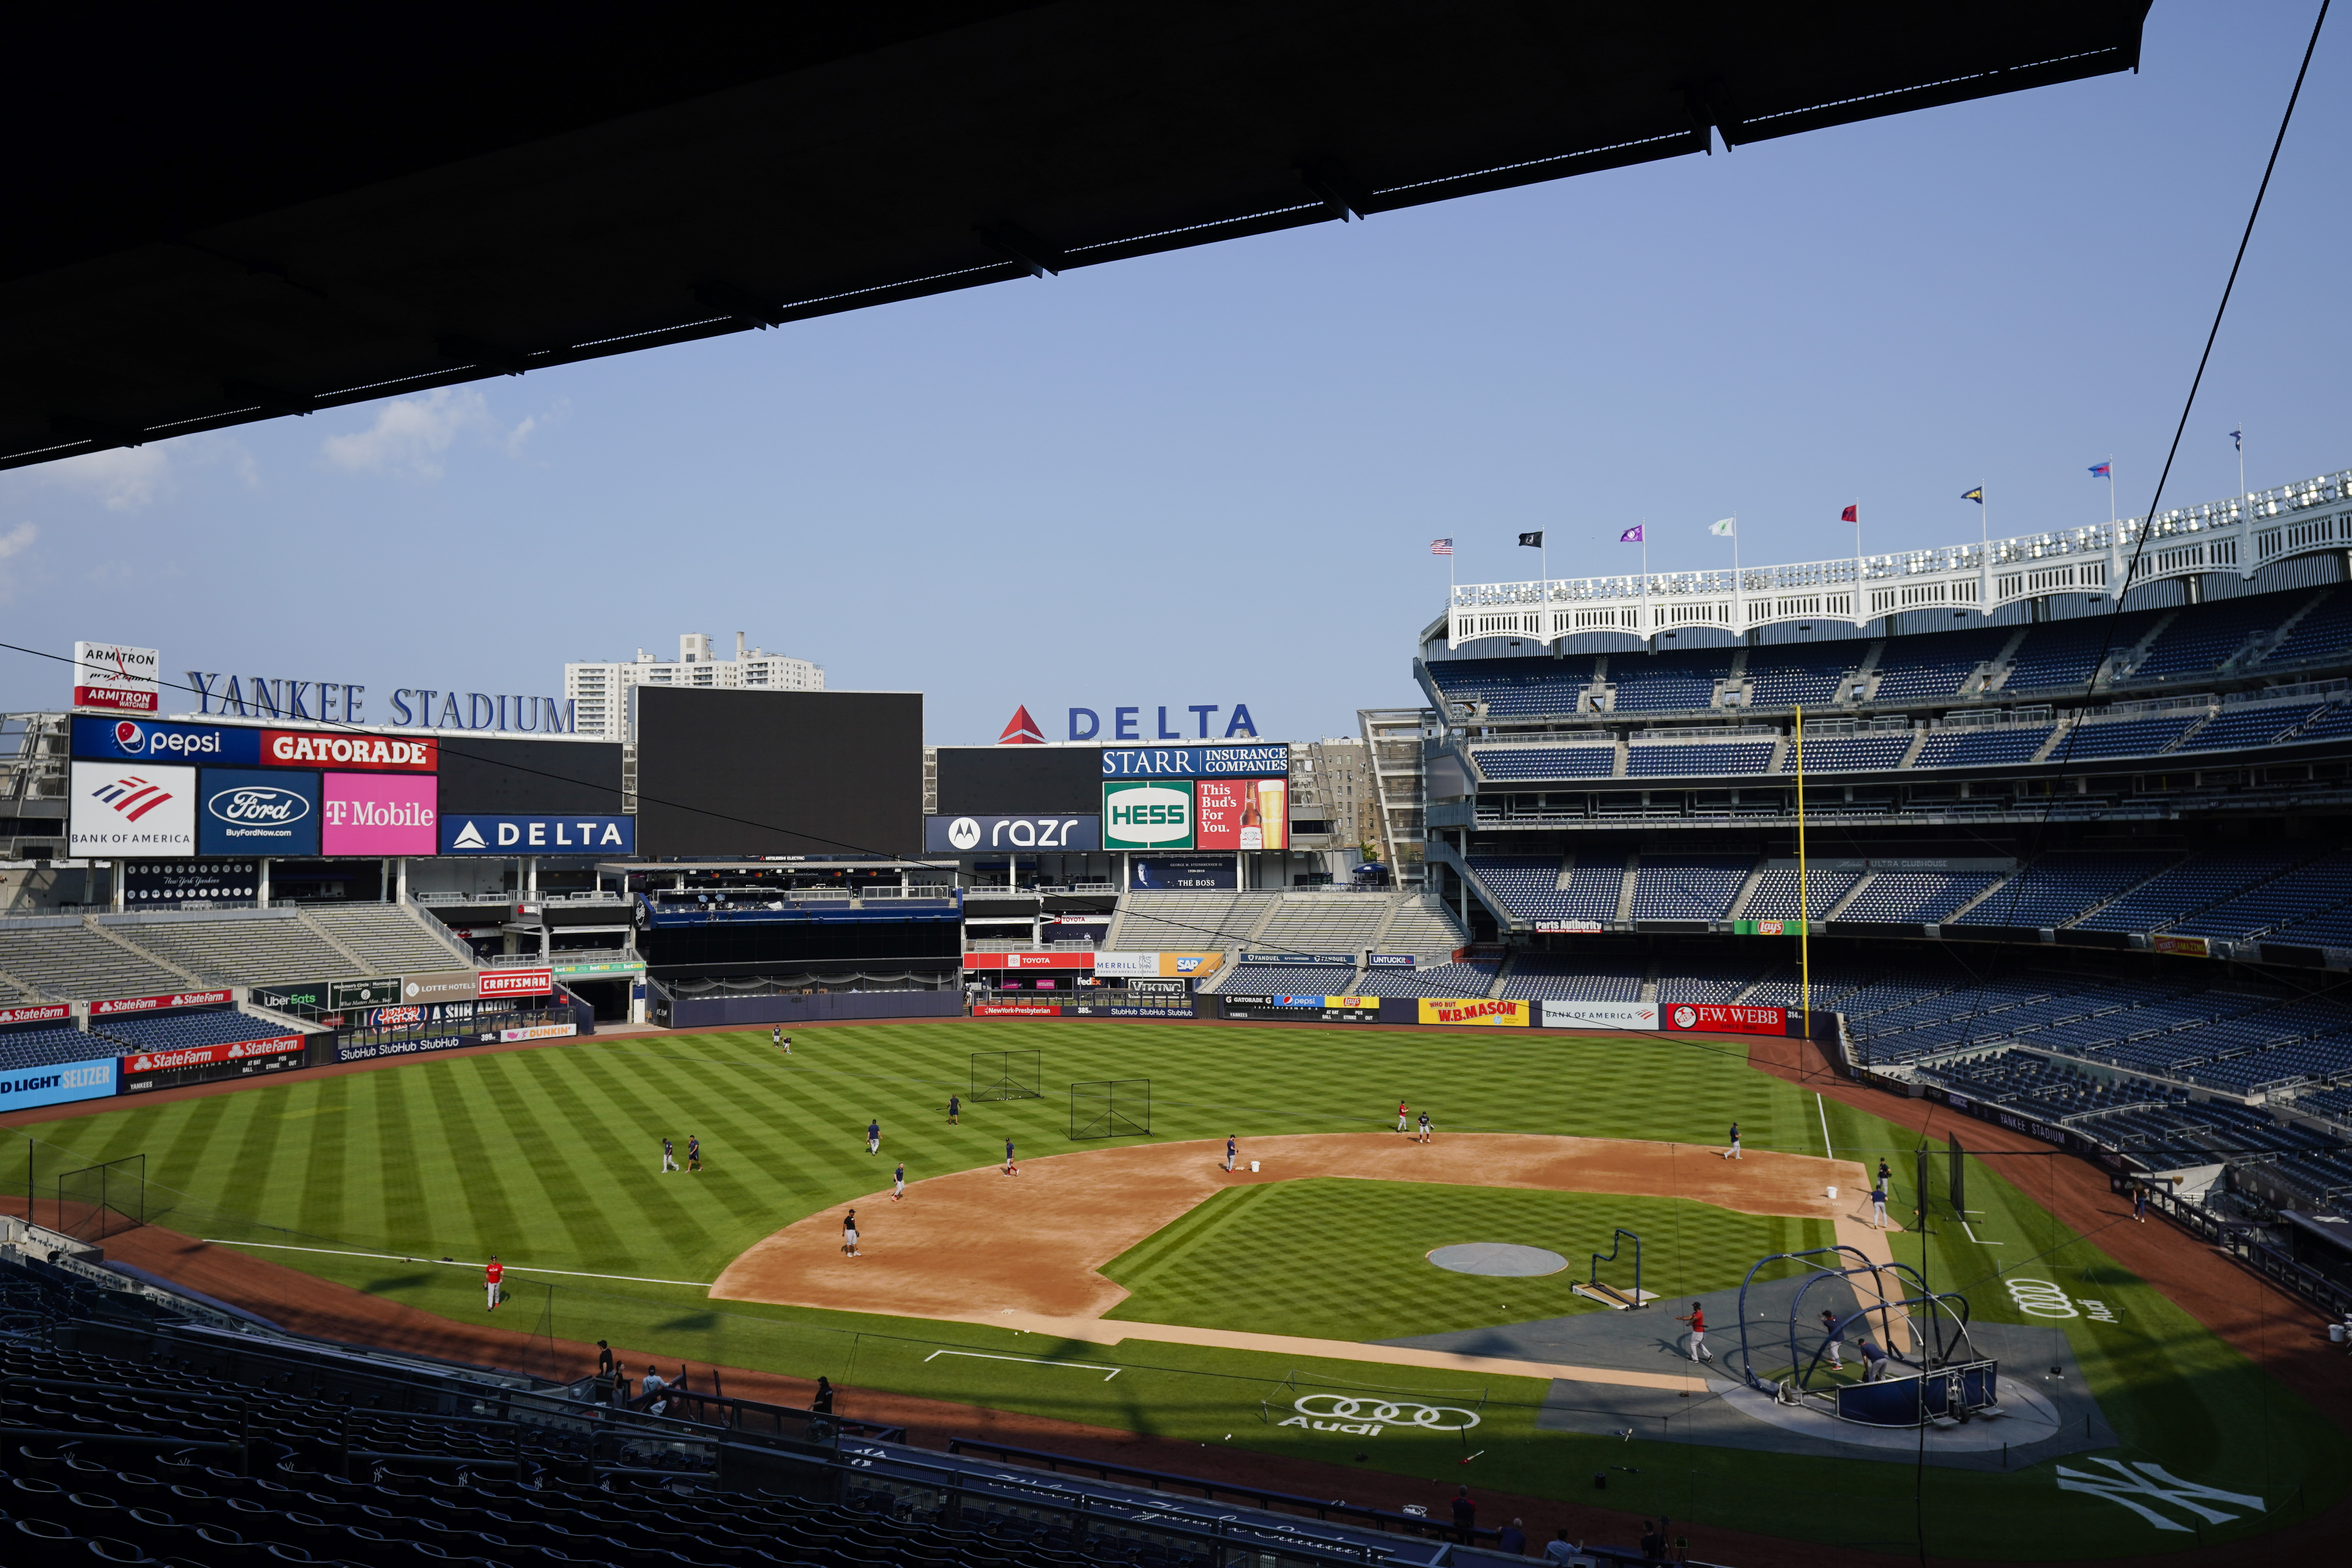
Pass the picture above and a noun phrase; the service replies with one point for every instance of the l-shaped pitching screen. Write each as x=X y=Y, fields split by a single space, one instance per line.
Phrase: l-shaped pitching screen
x=779 y=773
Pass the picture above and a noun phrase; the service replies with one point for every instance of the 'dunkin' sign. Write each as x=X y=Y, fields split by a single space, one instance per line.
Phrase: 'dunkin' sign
x=1154 y=815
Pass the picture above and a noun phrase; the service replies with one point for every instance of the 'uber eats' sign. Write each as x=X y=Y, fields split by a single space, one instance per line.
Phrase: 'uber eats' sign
x=1148 y=815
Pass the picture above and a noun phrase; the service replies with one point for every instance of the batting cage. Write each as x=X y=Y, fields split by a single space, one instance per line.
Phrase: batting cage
x=1111 y=1108
x=1006 y=1075
x=97 y=1201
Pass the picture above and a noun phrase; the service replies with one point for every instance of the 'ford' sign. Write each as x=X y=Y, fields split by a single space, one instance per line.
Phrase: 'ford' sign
x=242 y=811
x=538 y=835
x=984 y=834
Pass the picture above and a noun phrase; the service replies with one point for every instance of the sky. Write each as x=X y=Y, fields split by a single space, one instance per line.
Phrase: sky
x=1213 y=477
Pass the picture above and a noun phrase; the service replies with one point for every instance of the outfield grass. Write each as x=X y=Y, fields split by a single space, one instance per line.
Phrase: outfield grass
x=1351 y=1256
x=549 y=1157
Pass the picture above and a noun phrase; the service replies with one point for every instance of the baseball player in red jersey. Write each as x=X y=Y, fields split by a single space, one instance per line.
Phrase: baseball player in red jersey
x=491 y=1275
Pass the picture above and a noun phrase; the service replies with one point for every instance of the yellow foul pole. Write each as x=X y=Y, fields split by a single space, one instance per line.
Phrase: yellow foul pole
x=1804 y=911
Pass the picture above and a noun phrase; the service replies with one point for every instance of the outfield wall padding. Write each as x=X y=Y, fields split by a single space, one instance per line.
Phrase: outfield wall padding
x=734 y=1011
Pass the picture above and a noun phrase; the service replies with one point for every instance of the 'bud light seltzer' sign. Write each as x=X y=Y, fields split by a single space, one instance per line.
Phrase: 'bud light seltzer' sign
x=109 y=677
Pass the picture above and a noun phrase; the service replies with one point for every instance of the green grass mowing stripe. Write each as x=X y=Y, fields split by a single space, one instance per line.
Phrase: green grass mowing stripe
x=327 y=1176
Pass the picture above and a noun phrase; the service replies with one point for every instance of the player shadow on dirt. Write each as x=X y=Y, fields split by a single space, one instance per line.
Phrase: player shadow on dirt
x=398 y=1282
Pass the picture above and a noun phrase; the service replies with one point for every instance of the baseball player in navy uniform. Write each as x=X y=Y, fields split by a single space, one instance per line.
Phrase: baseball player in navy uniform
x=1733 y=1152
x=898 y=1181
x=669 y=1156
x=874 y=1137
x=1010 y=1168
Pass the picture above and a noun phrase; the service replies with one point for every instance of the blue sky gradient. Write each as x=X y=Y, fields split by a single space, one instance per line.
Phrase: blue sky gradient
x=1213 y=477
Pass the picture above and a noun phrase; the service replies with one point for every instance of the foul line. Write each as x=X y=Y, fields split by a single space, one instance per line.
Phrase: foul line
x=1033 y=1360
x=1826 y=1150
x=451 y=1262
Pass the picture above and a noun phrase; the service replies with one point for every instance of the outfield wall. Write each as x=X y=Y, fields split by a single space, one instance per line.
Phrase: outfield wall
x=1668 y=1017
x=734 y=1012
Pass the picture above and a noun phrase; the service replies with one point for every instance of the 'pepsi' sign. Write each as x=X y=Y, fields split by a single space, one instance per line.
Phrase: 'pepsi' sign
x=257 y=812
x=145 y=740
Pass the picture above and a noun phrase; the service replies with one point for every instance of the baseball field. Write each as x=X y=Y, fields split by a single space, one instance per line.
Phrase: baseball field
x=1132 y=1283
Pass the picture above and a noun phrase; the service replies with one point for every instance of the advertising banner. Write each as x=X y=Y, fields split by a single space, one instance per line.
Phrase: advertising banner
x=1015 y=1010
x=1183 y=873
x=1323 y=959
x=1303 y=1009
x=377 y=813
x=344 y=993
x=355 y=1051
x=1271 y=760
x=1029 y=960
x=316 y=749
x=1571 y=927
x=1725 y=1017
x=300 y=994
x=967 y=835
x=205 y=1064
x=257 y=812
x=176 y=884
x=38 y=1013
x=2181 y=946
x=539 y=1032
x=1479 y=1012
x=143 y=740
x=1148 y=815
x=1599 y=1015
x=1111 y=965
x=1158 y=990
x=1151 y=1008
x=1391 y=960
x=109 y=677
x=490 y=982
x=441 y=986
x=539 y=835
x=132 y=812
x=122 y=1004
x=55 y=1083
x=1241 y=814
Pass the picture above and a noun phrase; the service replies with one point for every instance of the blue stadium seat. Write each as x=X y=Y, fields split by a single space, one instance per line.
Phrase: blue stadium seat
x=1668 y=759
x=1981 y=748
x=1535 y=762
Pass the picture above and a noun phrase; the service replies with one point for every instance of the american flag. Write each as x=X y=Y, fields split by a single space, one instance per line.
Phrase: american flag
x=1441 y=547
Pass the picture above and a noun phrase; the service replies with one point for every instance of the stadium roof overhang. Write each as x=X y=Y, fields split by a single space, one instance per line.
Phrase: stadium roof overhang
x=216 y=219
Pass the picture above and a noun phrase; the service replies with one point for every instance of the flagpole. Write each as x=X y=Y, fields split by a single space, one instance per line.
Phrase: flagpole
x=2238 y=439
x=1738 y=598
x=1647 y=632
x=2111 y=494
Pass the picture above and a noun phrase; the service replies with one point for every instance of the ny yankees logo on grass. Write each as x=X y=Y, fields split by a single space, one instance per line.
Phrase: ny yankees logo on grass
x=2136 y=1479
x=1365 y=1417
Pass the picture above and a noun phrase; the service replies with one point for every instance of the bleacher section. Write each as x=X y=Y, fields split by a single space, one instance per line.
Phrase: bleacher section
x=1698 y=978
x=1981 y=747
x=1669 y=759
x=1421 y=928
x=1775 y=898
x=391 y=939
x=1921 y=896
x=2307 y=890
x=2123 y=737
x=1667 y=682
x=273 y=950
x=2192 y=645
x=1687 y=887
x=2251 y=724
x=1796 y=676
x=1285 y=980
x=2197 y=883
x=1322 y=922
x=61 y=957
x=2324 y=632
x=21 y=1049
x=2054 y=888
x=1849 y=753
x=1539 y=976
x=1546 y=762
x=1439 y=980
x=1923 y=669
x=174 y=1031
x=1516 y=687
x=2063 y=654
x=1185 y=922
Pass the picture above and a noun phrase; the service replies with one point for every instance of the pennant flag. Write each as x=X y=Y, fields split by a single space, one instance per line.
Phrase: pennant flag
x=1975 y=495
x=2100 y=472
x=1851 y=514
x=1631 y=536
x=1725 y=528
x=1441 y=547
x=2238 y=439
x=1531 y=540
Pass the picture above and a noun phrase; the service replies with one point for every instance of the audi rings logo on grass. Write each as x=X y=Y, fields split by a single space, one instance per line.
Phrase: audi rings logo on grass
x=2041 y=1298
x=1361 y=1417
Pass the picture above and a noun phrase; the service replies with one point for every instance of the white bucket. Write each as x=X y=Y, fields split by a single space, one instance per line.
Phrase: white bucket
x=1253 y=1167
x=2336 y=1333
x=1832 y=1195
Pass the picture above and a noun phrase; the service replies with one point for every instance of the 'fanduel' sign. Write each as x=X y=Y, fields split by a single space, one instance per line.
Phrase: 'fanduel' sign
x=282 y=697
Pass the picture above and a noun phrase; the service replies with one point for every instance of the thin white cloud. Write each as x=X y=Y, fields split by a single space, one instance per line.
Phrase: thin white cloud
x=410 y=434
x=124 y=479
x=15 y=542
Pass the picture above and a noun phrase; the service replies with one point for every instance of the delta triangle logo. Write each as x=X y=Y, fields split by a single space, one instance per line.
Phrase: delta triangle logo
x=1021 y=730
x=468 y=838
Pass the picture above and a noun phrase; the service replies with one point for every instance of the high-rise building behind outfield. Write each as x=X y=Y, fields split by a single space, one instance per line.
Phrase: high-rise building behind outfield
x=601 y=690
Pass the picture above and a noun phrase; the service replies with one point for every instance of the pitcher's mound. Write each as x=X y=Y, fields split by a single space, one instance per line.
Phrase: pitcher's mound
x=1499 y=1258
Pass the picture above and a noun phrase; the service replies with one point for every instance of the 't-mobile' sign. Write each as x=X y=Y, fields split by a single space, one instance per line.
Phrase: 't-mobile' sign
x=513 y=982
x=378 y=814
x=109 y=677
